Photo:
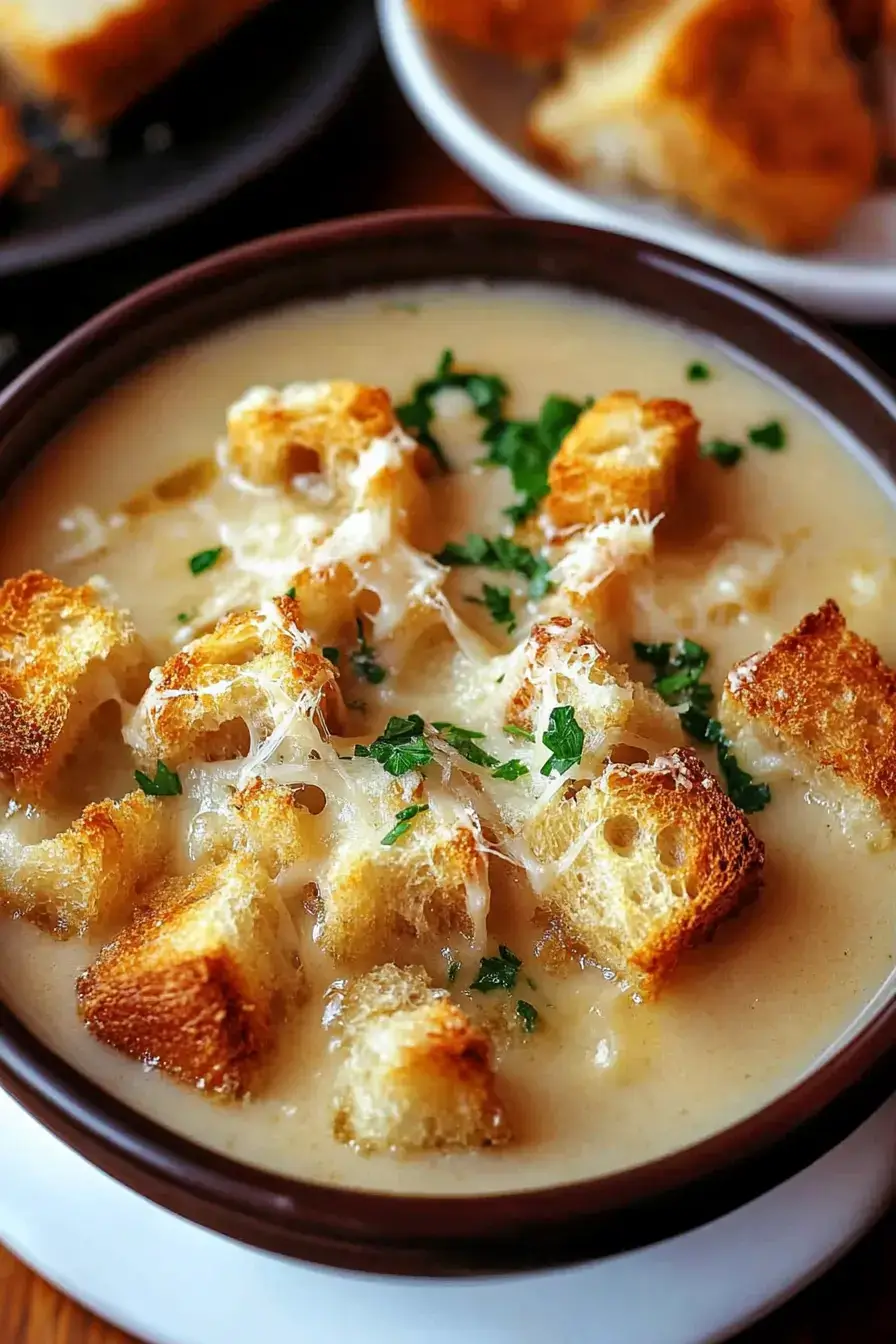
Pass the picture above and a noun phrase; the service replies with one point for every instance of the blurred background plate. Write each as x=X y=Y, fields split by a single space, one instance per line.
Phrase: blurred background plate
x=228 y=116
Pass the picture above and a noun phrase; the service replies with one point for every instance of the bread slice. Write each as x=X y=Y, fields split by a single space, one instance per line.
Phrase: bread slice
x=416 y=1073
x=529 y=30
x=822 y=702
x=13 y=149
x=62 y=655
x=264 y=820
x=256 y=674
x=85 y=880
x=622 y=454
x=199 y=983
x=748 y=111
x=562 y=663
x=642 y=863
x=95 y=57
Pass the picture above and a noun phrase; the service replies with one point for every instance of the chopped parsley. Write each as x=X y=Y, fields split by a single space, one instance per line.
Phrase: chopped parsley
x=165 y=785
x=453 y=971
x=771 y=435
x=727 y=454
x=204 y=560
x=400 y=747
x=497 y=603
x=511 y=770
x=486 y=391
x=184 y=617
x=524 y=733
x=501 y=553
x=498 y=972
x=403 y=821
x=290 y=592
x=363 y=659
x=564 y=739
x=464 y=740
x=331 y=654
x=698 y=372
x=527 y=448
x=527 y=1015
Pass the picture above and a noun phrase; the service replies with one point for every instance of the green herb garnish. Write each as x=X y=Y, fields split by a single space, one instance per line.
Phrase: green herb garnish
x=332 y=654
x=290 y=592
x=722 y=451
x=524 y=733
x=698 y=372
x=771 y=435
x=527 y=448
x=403 y=821
x=464 y=740
x=203 y=560
x=486 y=391
x=184 y=617
x=498 y=972
x=497 y=603
x=527 y=1015
x=165 y=785
x=400 y=747
x=511 y=770
x=564 y=739
x=453 y=971
x=363 y=659
x=501 y=553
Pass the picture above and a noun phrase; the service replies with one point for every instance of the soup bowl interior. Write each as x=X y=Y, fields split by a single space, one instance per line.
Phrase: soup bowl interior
x=423 y=1234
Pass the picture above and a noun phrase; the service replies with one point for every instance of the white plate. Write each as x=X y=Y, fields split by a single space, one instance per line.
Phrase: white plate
x=171 y=1282
x=474 y=106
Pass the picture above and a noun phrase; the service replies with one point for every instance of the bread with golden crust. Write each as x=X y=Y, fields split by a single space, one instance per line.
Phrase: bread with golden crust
x=416 y=1073
x=643 y=862
x=622 y=454
x=200 y=982
x=263 y=819
x=62 y=655
x=256 y=673
x=97 y=62
x=86 y=879
x=748 y=111
x=13 y=149
x=822 y=701
x=528 y=30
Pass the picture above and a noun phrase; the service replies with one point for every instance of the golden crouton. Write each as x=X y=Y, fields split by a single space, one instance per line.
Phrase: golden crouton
x=198 y=984
x=417 y=1074
x=562 y=663
x=62 y=656
x=265 y=820
x=86 y=878
x=257 y=673
x=13 y=149
x=823 y=699
x=598 y=567
x=529 y=30
x=749 y=111
x=432 y=882
x=644 y=862
x=622 y=454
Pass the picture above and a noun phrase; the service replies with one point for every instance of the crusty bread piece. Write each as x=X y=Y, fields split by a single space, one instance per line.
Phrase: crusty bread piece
x=598 y=568
x=622 y=454
x=256 y=673
x=822 y=699
x=417 y=1074
x=264 y=820
x=562 y=663
x=13 y=149
x=198 y=984
x=98 y=56
x=530 y=30
x=643 y=862
x=85 y=879
x=62 y=655
x=749 y=111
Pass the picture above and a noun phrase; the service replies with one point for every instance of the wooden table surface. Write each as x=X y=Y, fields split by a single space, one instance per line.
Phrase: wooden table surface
x=379 y=158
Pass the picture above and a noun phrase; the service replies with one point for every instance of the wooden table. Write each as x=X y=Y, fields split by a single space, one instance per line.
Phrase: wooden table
x=379 y=158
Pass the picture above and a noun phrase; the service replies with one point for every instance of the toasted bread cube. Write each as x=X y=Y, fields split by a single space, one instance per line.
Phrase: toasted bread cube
x=562 y=663
x=199 y=983
x=417 y=1074
x=822 y=702
x=99 y=56
x=62 y=656
x=85 y=879
x=13 y=149
x=594 y=575
x=256 y=674
x=644 y=862
x=622 y=454
x=748 y=111
x=529 y=30
x=264 y=820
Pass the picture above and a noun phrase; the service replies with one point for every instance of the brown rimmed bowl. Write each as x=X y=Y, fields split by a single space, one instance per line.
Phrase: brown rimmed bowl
x=419 y=1234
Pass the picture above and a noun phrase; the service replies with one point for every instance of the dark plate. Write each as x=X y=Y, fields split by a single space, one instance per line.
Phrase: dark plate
x=233 y=112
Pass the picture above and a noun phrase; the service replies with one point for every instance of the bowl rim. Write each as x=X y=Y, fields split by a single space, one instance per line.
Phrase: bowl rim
x=421 y=1234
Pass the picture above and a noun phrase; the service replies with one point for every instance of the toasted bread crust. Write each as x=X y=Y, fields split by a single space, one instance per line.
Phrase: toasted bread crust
x=264 y=820
x=825 y=694
x=530 y=30
x=622 y=454
x=64 y=656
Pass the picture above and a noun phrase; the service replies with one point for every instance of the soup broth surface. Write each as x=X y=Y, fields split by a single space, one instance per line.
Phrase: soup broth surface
x=605 y=1081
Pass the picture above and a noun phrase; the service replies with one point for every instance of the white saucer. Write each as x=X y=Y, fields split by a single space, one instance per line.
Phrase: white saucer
x=170 y=1282
x=474 y=106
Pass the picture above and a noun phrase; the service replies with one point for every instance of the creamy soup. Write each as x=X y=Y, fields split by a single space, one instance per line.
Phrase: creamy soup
x=604 y=1080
